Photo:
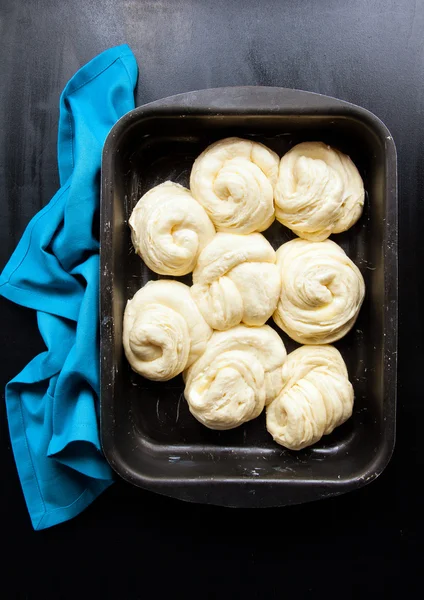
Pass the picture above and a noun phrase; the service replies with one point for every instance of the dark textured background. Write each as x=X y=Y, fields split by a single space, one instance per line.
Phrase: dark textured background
x=132 y=544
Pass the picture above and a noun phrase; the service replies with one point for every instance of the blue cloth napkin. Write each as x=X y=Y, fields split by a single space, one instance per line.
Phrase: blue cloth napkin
x=52 y=406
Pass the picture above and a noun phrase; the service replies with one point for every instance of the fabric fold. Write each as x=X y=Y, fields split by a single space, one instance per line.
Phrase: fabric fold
x=53 y=404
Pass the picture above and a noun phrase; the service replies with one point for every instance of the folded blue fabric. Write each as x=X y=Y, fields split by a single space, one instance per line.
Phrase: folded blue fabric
x=52 y=406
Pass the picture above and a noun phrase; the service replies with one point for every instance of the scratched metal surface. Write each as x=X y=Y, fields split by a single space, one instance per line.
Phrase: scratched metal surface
x=369 y=52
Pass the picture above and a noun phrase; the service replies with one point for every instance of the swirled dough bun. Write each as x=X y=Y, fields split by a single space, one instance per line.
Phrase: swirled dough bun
x=319 y=191
x=163 y=331
x=239 y=372
x=234 y=181
x=317 y=396
x=169 y=229
x=236 y=280
x=321 y=291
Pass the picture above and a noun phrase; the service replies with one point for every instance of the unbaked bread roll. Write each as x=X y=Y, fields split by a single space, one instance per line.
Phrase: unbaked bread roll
x=317 y=396
x=321 y=291
x=163 y=332
x=237 y=375
x=236 y=280
x=234 y=181
x=169 y=229
x=319 y=191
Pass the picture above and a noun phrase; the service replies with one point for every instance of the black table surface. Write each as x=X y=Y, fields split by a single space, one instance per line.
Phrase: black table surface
x=131 y=543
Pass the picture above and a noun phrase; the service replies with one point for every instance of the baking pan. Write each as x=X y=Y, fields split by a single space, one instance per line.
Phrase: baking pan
x=147 y=432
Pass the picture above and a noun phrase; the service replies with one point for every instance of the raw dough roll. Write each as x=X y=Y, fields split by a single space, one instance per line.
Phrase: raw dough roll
x=236 y=281
x=237 y=375
x=163 y=332
x=319 y=191
x=169 y=229
x=321 y=291
x=317 y=396
x=234 y=181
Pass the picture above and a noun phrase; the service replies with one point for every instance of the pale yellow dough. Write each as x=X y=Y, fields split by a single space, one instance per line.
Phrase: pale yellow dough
x=236 y=280
x=239 y=372
x=321 y=291
x=234 y=181
x=317 y=396
x=163 y=331
x=319 y=191
x=169 y=229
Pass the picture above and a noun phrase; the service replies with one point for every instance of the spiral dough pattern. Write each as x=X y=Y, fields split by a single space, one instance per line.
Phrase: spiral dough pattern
x=234 y=181
x=322 y=291
x=239 y=372
x=236 y=281
x=169 y=229
x=319 y=191
x=163 y=331
x=317 y=396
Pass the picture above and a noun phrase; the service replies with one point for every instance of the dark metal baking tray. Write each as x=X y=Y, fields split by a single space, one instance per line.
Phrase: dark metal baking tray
x=147 y=432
